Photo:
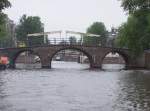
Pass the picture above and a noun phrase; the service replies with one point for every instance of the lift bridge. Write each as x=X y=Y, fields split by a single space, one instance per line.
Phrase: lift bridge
x=60 y=39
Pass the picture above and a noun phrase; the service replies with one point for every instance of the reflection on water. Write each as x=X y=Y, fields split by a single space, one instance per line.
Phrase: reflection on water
x=68 y=65
x=74 y=90
x=113 y=67
x=28 y=66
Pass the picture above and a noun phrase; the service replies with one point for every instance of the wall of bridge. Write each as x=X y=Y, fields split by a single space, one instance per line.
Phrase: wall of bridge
x=95 y=55
x=147 y=60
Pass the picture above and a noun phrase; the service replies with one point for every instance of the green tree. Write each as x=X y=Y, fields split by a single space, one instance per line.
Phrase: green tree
x=129 y=35
x=99 y=29
x=3 y=4
x=29 y=25
x=134 y=5
x=3 y=30
x=135 y=33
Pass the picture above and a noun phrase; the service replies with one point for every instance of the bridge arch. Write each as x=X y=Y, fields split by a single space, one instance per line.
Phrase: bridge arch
x=17 y=54
x=124 y=55
x=74 y=49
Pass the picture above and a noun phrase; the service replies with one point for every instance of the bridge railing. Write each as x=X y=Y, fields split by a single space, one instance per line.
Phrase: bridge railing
x=90 y=42
x=64 y=41
x=57 y=41
x=71 y=41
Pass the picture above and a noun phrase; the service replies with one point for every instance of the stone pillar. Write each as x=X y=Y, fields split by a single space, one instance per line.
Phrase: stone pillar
x=43 y=54
x=147 y=60
x=97 y=63
x=45 y=62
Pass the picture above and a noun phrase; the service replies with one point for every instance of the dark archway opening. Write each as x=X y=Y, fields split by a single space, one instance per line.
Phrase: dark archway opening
x=114 y=61
x=71 y=59
x=27 y=60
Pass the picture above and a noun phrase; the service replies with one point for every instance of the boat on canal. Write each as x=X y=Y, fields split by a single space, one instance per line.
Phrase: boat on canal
x=4 y=62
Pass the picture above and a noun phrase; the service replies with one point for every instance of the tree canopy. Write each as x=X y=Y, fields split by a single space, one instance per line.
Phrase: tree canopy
x=4 y=4
x=133 y=5
x=99 y=29
x=135 y=33
x=3 y=32
x=29 y=25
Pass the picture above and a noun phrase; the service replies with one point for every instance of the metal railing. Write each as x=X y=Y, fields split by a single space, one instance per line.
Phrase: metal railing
x=55 y=41
x=81 y=41
x=64 y=41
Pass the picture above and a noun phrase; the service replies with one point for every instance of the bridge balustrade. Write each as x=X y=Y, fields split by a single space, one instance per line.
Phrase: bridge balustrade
x=73 y=41
x=55 y=41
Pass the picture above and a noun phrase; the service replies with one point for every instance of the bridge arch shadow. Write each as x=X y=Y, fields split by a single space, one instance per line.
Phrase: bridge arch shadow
x=115 y=60
x=26 y=59
x=74 y=49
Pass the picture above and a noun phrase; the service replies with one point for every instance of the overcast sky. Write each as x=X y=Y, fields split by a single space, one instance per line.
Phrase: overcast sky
x=74 y=15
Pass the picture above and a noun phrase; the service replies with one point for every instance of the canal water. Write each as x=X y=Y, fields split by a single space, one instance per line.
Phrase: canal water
x=73 y=87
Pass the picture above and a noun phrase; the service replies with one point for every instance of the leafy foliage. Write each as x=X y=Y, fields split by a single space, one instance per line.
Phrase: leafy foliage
x=133 y=5
x=29 y=25
x=126 y=36
x=135 y=33
x=4 y=4
x=3 y=32
x=99 y=29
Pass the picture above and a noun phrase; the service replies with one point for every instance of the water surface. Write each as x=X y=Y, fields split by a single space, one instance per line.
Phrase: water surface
x=74 y=89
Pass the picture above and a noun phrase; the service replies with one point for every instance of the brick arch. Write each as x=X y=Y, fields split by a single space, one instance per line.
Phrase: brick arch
x=16 y=55
x=123 y=54
x=75 y=49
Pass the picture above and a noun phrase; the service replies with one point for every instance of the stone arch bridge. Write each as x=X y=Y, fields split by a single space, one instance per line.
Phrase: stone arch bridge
x=96 y=54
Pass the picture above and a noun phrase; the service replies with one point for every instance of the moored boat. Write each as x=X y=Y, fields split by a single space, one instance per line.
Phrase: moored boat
x=3 y=62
